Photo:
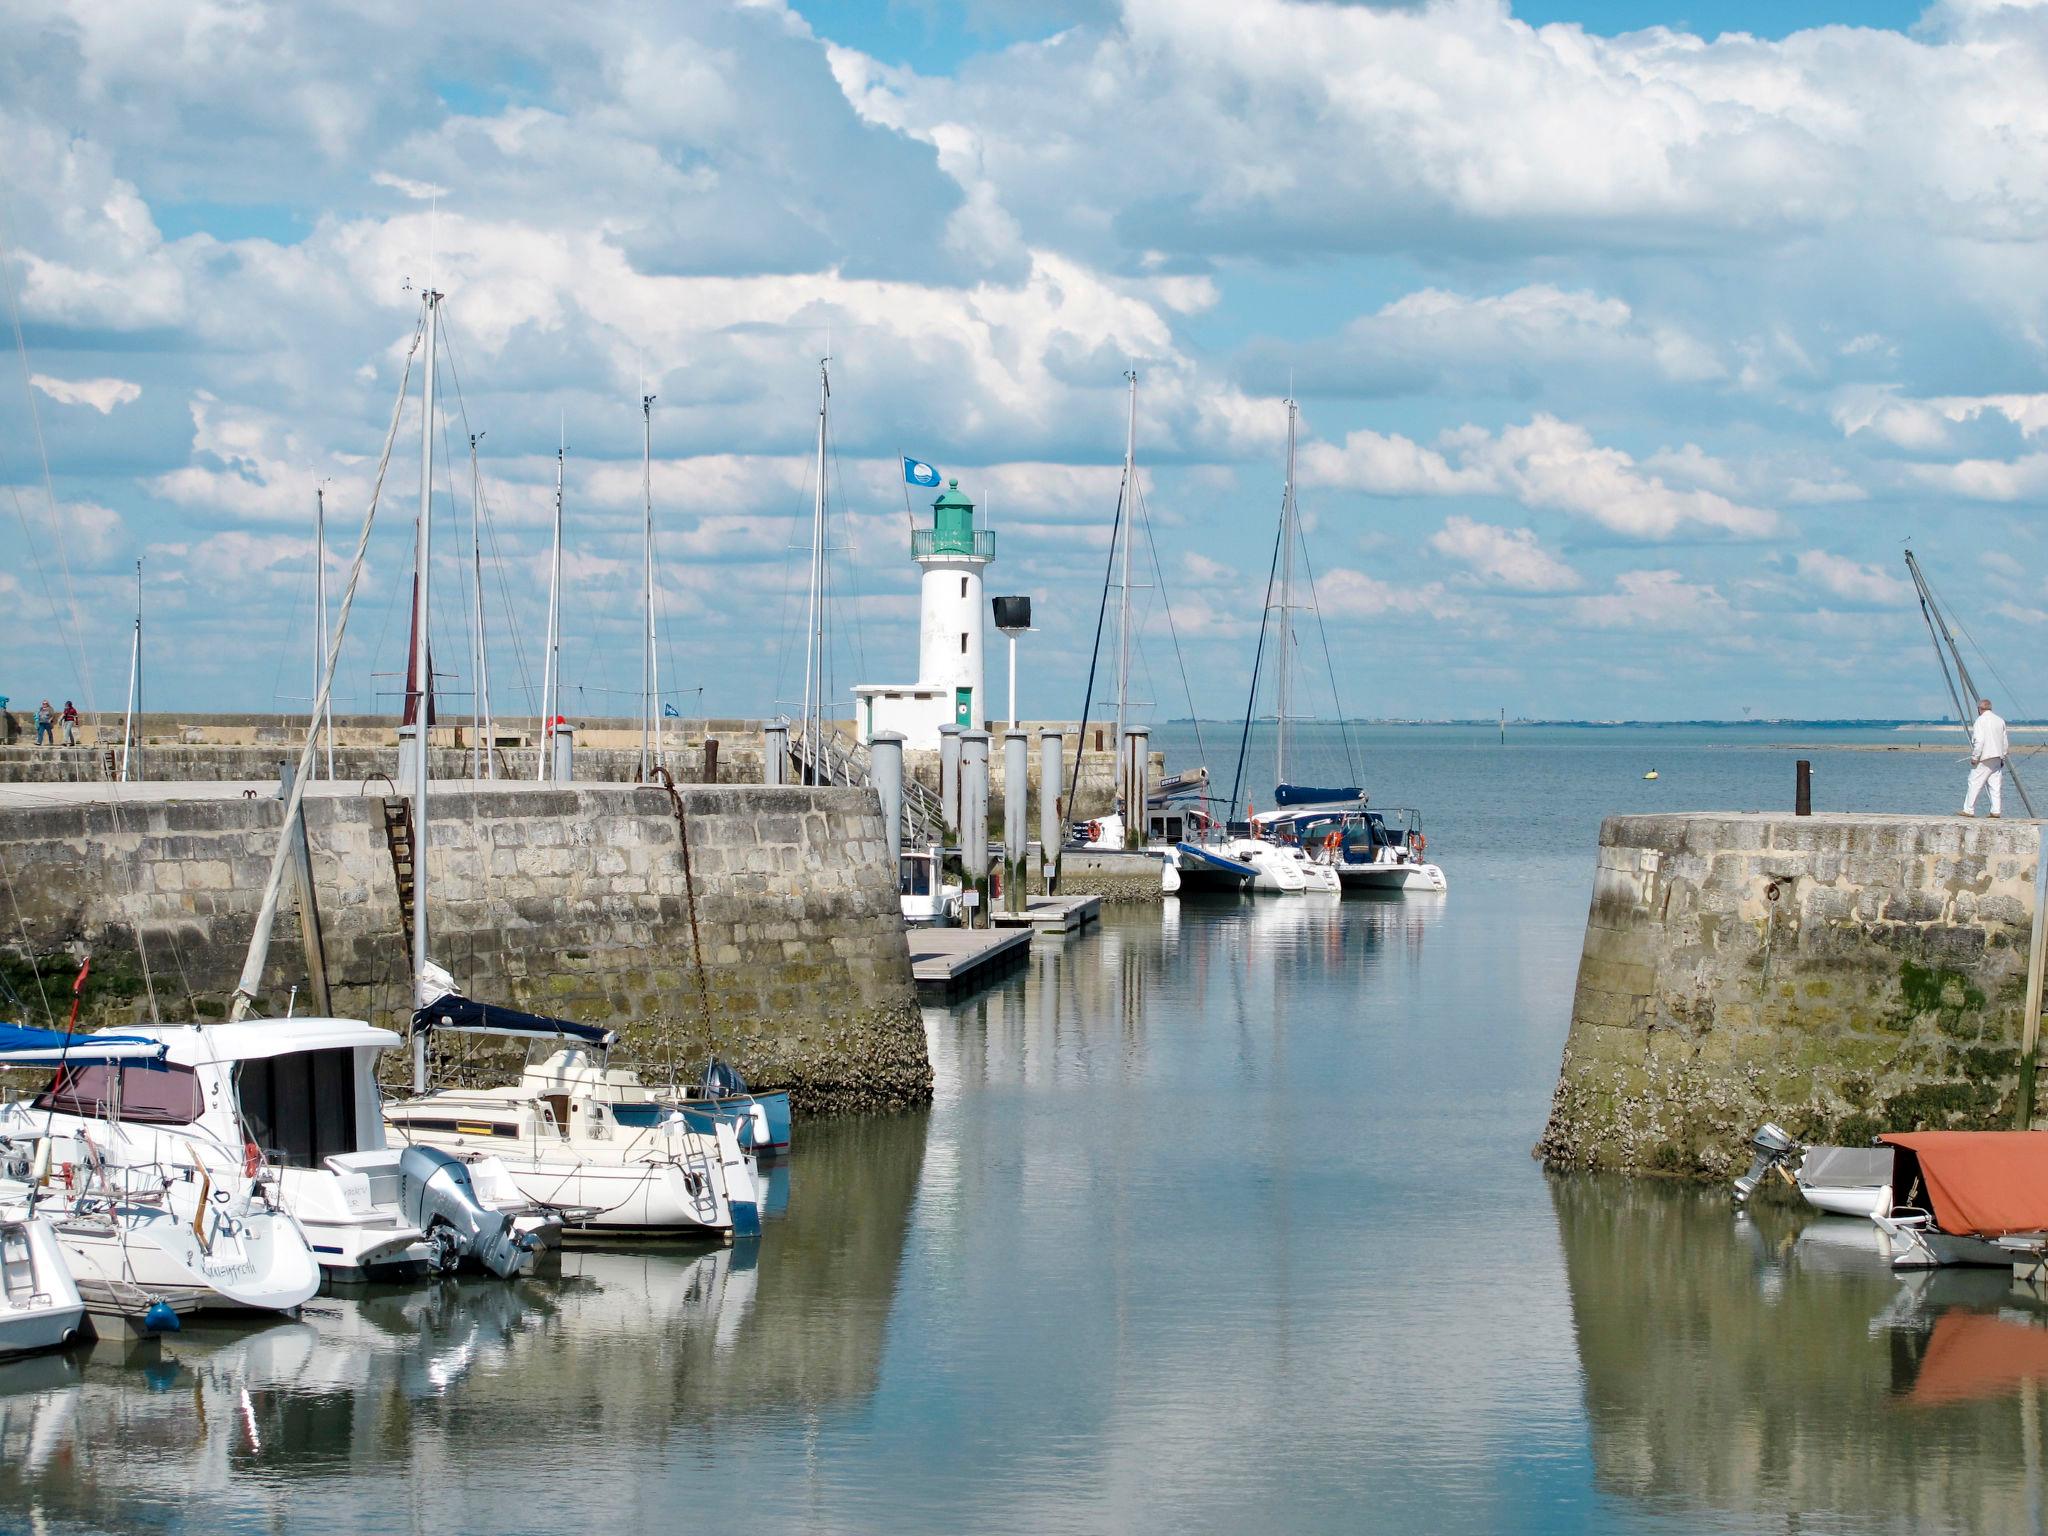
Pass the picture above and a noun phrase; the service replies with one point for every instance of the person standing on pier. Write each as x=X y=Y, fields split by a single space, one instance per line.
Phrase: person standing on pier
x=70 y=724
x=1987 y=759
x=46 y=724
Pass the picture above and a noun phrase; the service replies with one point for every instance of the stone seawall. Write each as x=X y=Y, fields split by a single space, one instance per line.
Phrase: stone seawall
x=779 y=946
x=1842 y=975
x=739 y=762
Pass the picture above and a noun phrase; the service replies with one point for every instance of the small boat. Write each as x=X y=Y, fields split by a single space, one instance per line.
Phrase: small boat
x=40 y=1307
x=137 y=1218
x=761 y=1119
x=1843 y=1181
x=1651 y=774
x=578 y=1136
x=1370 y=850
x=1966 y=1197
x=926 y=899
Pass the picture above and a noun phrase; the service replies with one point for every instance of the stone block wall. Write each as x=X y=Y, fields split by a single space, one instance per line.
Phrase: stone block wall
x=213 y=762
x=1842 y=975
x=780 y=946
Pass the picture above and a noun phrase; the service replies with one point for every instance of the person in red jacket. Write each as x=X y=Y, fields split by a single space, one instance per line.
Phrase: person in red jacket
x=70 y=724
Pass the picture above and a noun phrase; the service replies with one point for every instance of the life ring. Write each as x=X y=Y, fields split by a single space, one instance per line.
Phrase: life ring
x=1333 y=842
x=1094 y=831
x=1418 y=842
x=252 y=1159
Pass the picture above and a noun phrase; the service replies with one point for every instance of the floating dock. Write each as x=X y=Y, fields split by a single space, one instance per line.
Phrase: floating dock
x=950 y=962
x=1051 y=914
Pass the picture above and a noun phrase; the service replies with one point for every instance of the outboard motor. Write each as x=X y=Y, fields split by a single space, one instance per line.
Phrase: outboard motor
x=437 y=1196
x=1772 y=1148
x=723 y=1081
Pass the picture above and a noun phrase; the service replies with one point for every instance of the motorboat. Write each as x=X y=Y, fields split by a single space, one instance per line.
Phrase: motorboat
x=926 y=898
x=40 y=1307
x=294 y=1103
x=761 y=1119
x=138 y=1216
x=578 y=1136
x=1281 y=868
x=1369 y=849
x=1843 y=1181
x=1966 y=1197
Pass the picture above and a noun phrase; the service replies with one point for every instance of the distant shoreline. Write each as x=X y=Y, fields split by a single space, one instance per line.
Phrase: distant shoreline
x=1775 y=724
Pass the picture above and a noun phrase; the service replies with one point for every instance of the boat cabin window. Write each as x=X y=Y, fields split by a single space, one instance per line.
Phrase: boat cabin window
x=152 y=1095
x=302 y=1106
x=1169 y=829
x=917 y=877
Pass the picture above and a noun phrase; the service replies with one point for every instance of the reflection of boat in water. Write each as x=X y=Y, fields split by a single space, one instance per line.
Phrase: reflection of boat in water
x=1968 y=1356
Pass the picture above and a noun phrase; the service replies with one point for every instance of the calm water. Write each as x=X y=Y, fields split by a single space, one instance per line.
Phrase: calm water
x=1223 y=1221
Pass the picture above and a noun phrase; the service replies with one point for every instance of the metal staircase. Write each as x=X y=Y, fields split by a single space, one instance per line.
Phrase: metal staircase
x=837 y=760
x=398 y=838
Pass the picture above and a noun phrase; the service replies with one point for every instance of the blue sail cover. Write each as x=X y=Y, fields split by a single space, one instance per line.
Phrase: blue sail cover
x=456 y=1012
x=23 y=1047
x=1304 y=794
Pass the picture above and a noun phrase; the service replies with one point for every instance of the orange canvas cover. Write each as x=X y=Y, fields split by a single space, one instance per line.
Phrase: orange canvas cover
x=1980 y=1183
x=1973 y=1355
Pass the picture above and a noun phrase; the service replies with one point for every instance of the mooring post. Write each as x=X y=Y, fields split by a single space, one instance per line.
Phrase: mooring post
x=1050 y=838
x=2037 y=953
x=565 y=752
x=949 y=781
x=974 y=821
x=1802 y=793
x=309 y=906
x=710 y=759
x=886 y=753
x=1139 y=739
x=775 y=752
x=1016 y=825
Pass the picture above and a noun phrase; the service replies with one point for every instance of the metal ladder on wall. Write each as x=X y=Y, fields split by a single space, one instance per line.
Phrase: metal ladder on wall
x=398 y=838
x=839 y=761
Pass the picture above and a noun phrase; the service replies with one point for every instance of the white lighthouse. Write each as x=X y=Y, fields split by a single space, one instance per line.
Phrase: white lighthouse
x=952 y=554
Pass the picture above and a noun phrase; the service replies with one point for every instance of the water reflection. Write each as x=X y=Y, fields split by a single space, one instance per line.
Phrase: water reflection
x=363 y=1407
x=1775 y=1367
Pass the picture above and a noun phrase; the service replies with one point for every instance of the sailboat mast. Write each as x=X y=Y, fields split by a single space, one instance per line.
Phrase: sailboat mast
x=320 y=616
x=130 y=727
x=485 y=727
x=814 y=629
x=550 y=679
x=1283 y=660
x=649 y=703
x=422 y=683
x=1123 y=620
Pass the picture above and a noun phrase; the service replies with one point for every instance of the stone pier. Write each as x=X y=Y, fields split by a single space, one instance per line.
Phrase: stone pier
x=777 y=943
x=1842 y=975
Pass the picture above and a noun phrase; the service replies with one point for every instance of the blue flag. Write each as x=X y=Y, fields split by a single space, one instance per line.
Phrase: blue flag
x=915 y=473
x=671 y=712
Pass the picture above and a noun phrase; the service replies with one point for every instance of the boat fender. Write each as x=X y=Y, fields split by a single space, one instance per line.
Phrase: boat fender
x=757 y=1116
x=160 y=1318
x=252 y=1159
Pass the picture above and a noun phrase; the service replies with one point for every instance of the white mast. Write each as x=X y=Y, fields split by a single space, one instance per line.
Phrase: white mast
x=650 y=681
x=421 y=683
x=1281 y=660
x=550 y=674
x=480 y=757
x=1123 y=622
x=814 y=629
x=131 y=726
x=320 y=615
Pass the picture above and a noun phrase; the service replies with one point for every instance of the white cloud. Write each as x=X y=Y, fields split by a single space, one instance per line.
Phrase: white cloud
x=101 y=394
x=1506 y=557
x=1852 y=581
x=1922 y=425
x=1654 y=600
x=1347 y=594
x=1544 y=463
x=2022 y=479
x=418 y=191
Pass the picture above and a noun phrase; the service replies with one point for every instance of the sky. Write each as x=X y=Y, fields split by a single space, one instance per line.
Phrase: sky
x=1632 y=342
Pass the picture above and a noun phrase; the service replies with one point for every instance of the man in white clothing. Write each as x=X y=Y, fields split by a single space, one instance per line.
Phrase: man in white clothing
x=1987 y=759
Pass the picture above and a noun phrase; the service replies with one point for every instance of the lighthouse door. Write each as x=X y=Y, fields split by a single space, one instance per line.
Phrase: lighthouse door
x=963 y=708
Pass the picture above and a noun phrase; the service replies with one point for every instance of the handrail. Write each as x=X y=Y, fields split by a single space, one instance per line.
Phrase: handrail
x=975 y=543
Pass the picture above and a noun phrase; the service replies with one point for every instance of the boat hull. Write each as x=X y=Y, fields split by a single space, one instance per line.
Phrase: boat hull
x=1392 y=878
x=40 y=1307
x=1915 y=1244
x=257 y=1262
x=767 y=1133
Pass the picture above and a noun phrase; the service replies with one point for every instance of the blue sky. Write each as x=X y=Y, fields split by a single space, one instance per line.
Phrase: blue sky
x=1631 y=341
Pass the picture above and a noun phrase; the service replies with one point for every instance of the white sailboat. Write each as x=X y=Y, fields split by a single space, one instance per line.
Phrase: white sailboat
x=135 y=1220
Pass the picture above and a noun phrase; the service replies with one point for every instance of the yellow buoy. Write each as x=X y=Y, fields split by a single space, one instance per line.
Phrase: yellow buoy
x=1651 y=774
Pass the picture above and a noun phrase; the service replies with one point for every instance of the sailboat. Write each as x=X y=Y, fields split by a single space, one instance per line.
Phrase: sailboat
x=577 y=1137
x=134 y=1223
x=1333 y=838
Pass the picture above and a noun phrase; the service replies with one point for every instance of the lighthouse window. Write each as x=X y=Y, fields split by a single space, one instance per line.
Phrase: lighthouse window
x=963 y=586
x=963 y=642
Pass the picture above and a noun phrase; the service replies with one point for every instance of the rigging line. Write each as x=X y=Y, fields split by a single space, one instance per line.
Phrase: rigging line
x=2011 y=693
x=28 y=948
x=1963 y=674
x=1172 y=630
x=1251 y=704
x=35 y=416
x=1329 y=662
x=1094 y=659
x=860 y=654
